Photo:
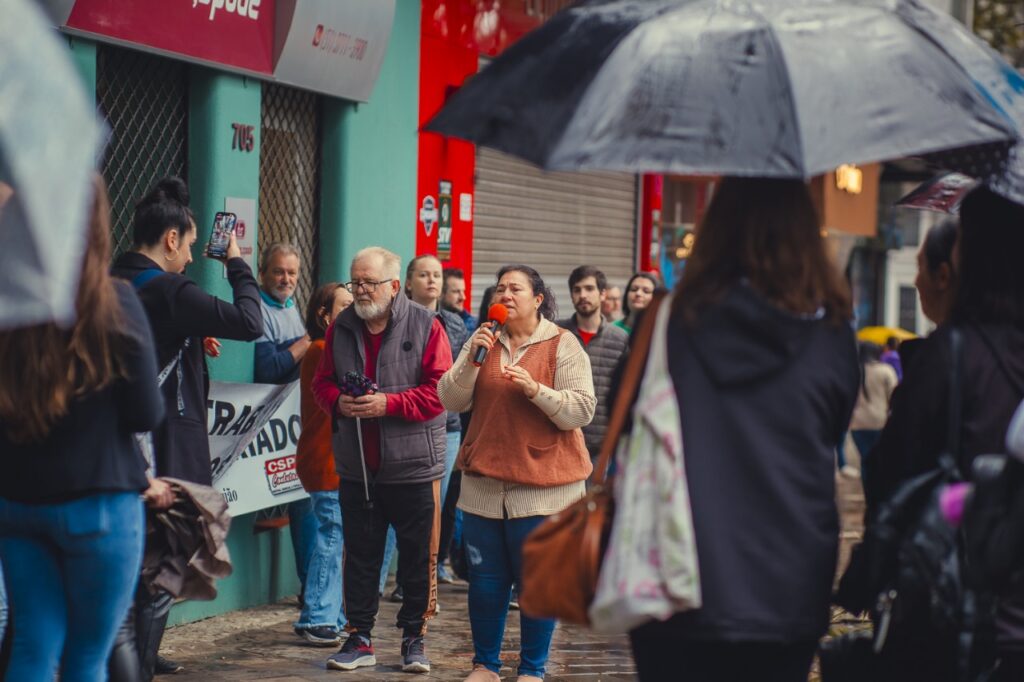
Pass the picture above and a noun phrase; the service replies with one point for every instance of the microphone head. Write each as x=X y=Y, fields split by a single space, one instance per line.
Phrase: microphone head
x=497 y=313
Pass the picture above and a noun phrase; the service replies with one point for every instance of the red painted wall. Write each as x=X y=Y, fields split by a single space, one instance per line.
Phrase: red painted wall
x=454 y=35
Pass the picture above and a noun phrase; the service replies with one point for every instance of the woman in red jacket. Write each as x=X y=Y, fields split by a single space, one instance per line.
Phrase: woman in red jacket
x=322 y=617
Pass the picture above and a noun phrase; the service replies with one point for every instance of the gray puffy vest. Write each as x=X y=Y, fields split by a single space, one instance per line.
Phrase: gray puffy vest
x=410 y=452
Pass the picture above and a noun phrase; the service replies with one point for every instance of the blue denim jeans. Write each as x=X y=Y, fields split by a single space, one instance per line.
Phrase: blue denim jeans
x=303 y=526
x=494 y=548
x=391 y=544
x=71 y=570
x=322 y=594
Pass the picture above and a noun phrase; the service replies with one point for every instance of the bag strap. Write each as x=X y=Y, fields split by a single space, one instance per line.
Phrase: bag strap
x=948 y=459
x=627 y=390
x=145 y=277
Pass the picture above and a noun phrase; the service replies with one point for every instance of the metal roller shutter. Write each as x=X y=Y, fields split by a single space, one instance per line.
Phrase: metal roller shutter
x=552 y=222
x=290 y=178
x=145 y=100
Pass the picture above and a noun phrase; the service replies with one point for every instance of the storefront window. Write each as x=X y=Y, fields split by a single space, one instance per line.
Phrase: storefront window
x=683 y=203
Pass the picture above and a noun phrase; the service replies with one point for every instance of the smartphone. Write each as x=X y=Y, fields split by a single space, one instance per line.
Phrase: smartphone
x=220 y=236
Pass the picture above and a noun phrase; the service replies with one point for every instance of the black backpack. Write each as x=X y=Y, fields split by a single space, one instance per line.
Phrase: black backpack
x=912 y=575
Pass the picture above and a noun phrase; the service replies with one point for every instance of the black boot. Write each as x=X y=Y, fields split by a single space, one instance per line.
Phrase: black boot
x=123 y=664
x=151 y=613
x=166 y=666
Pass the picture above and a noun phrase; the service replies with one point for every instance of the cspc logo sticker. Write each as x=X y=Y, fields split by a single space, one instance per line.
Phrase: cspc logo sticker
x=282 y=476
x=249 y=9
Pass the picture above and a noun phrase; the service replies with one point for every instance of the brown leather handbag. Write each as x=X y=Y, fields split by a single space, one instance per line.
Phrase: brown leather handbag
x=562 y=556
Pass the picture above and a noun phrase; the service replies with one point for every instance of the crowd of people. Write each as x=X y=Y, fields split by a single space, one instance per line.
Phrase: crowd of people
x=437 y=434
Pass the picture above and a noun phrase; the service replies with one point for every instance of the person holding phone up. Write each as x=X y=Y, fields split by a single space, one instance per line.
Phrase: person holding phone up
x=181 y=316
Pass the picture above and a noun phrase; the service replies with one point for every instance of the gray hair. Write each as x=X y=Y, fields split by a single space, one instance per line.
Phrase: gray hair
x=390 y=262
x=275 y=248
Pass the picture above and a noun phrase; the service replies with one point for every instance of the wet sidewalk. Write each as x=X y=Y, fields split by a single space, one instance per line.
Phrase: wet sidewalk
x=258 y=644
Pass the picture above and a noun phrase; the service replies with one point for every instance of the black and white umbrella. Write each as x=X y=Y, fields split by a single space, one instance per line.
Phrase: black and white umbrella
x=775 y=88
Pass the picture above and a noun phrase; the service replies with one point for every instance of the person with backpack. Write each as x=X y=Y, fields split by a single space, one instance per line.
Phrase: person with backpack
x=180 y=315
x=987 y=316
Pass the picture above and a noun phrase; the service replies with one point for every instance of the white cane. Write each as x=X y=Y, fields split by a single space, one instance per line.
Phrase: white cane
x=362 y=457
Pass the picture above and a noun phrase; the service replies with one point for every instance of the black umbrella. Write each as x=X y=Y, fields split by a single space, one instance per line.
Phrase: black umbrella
x=778 y=88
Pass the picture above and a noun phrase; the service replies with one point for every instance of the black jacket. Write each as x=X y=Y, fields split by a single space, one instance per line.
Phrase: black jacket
x=178 y=310
x=764 y=398
x=915 y=434
x=91 y=450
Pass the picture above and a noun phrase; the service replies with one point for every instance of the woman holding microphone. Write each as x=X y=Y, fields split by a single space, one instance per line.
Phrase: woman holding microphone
x=523 y=458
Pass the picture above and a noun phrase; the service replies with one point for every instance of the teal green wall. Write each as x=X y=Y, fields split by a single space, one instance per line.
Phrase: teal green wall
x=215 y=171
x=250 y=583
x=83 y=54
x=370 y=160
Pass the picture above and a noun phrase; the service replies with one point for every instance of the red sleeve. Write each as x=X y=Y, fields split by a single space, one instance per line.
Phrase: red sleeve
x=325 y=387
x=422 y=403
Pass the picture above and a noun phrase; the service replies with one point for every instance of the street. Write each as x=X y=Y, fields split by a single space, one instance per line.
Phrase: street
x=258 y=644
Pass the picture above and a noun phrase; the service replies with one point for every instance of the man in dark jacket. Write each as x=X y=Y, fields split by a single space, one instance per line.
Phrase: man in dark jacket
x=605 y=343
x=389 y=450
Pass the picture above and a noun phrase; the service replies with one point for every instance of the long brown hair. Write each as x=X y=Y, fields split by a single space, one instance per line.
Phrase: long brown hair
x=321 y=302
x=764 y=231
x=43 y=368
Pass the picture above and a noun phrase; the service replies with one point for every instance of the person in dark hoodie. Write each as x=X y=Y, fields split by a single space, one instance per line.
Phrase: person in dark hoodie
x=764 y=362
x=181 y=315
x=988 y=309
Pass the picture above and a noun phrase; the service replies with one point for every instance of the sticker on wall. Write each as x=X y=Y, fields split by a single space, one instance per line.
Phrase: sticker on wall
x=466 y=207
x=444 y=226
x=428 y=214
x=245 y=227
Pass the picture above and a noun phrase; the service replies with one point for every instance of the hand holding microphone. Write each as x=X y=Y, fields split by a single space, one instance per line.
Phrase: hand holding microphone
x=487 y=333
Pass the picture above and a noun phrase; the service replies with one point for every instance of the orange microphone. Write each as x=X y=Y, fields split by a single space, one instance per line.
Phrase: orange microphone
x=497 y=314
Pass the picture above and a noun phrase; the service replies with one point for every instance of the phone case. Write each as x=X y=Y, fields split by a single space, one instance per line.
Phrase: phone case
x=220 y=235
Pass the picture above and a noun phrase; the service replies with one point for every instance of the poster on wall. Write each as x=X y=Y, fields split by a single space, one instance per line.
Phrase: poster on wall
x=444 y=220
x=254 y=432
x=245 y=228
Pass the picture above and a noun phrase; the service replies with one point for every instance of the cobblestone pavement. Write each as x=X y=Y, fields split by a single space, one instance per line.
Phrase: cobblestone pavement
x=258 y=644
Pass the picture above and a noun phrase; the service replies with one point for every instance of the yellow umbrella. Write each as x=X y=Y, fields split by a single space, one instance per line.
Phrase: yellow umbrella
x=880 y=335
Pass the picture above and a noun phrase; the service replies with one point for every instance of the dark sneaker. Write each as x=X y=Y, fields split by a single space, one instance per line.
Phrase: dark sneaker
x=414 y=655
x=356 y=652
x=514 y=601
x=445 y=576
x=167 y=667
x=397 y=595
x=320 y=635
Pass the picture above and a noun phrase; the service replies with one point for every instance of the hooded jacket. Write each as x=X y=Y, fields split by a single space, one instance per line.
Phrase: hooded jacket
x=764 y=397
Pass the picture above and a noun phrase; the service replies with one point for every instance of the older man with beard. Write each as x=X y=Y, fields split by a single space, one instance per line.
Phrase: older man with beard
x=399 y=431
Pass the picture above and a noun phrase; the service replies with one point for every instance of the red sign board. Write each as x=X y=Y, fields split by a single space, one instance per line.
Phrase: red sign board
x=238 y=33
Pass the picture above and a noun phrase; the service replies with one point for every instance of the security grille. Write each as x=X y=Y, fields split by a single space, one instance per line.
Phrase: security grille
x=290 y=178
x=144 y=99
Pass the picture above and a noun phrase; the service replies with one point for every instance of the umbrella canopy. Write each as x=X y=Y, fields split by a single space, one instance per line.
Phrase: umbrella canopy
x=880 y=335
x=49 y=141
x=774 y=88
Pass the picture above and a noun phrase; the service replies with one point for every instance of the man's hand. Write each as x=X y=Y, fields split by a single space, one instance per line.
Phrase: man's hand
x=158 y=495
x=365 y=407
x=299 y=348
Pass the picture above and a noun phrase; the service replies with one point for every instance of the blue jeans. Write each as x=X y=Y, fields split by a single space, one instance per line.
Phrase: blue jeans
x=322 y=594
x=71 y=571
x=303 y=526
x=391 y=544
x=865 y=440
x=494 y=548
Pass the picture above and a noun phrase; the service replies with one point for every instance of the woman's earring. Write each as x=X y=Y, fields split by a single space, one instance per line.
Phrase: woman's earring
x=177 y=252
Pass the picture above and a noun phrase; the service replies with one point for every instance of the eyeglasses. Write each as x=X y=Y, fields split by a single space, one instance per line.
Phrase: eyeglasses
x=368 y=287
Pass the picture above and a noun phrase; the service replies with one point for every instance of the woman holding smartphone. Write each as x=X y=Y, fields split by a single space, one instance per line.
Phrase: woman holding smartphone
x=181 y=315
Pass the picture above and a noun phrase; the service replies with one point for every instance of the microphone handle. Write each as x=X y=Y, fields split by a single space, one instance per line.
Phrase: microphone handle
x=481 y=352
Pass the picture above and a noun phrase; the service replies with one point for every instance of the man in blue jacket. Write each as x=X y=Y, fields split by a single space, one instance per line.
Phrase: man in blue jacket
x=280 y=350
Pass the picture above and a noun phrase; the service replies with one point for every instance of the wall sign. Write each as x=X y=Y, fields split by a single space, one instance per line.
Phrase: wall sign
x=444 y=224
x=428 y=214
